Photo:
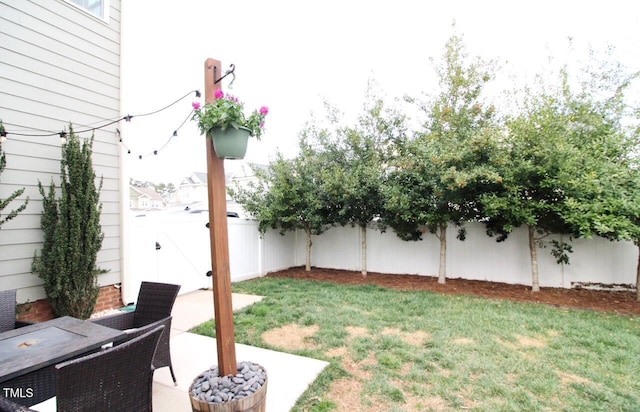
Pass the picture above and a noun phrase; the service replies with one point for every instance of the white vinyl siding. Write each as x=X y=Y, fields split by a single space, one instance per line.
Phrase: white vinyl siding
x=58 y=65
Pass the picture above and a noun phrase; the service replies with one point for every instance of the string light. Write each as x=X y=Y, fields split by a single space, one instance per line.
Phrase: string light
x=109 y=122
x=3 y=133
x=156 y=151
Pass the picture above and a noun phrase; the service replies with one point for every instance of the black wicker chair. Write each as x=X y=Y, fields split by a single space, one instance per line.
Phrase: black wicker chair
x=7 y=405
x=116 y=379
x=154 y=305
x=8 y=311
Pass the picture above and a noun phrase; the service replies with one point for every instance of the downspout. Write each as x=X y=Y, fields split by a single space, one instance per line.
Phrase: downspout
x=123 y=176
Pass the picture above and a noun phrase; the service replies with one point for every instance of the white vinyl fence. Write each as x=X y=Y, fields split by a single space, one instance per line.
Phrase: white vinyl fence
x=173 y=247
x=184 y=257
x=479 y=257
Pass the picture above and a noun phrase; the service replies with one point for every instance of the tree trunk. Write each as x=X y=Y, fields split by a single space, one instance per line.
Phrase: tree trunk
x=535 y=279
x=638 y=275
x=363 y=230
x=308 y=263
x=442 y=271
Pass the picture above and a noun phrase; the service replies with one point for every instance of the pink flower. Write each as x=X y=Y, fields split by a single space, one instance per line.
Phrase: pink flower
x=264 y=110
x=196 y=105
x=219 y=94
x=262 y=125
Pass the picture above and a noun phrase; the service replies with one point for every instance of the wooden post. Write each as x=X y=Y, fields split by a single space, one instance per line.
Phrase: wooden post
x=221 y=274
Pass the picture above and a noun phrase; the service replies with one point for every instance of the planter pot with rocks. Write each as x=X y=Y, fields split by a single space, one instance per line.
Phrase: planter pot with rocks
x=246 y=391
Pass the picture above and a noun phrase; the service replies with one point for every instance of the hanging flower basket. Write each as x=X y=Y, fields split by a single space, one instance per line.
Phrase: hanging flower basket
x=229 y=143
x=225 y=123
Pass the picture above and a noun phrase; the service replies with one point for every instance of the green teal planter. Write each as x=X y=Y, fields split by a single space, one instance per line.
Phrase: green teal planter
x=230 y=143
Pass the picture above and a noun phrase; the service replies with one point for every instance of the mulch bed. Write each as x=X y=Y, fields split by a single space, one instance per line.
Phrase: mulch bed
x=600 y=300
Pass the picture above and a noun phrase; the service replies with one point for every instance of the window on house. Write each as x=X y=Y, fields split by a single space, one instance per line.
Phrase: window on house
x=96 y=7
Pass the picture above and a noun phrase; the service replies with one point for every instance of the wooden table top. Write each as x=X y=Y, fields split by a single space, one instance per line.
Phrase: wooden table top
x=36 y=346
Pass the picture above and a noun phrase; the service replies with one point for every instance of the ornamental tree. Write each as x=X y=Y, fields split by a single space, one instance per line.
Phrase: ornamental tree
x=72 y=233
x=435 y=178
x=353 y=177
x=560 y=148
x=603 y=183
x=287 y=196
x=532 y=194
x=606 y=203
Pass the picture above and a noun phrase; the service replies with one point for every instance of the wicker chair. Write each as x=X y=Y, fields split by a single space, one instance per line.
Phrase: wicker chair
x=162 y=357
x=116 y=379
x=7 y=405
x=8 y=311
x=154 y=305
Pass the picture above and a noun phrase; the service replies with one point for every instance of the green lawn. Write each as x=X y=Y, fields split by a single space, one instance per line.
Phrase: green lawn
x=391 y=350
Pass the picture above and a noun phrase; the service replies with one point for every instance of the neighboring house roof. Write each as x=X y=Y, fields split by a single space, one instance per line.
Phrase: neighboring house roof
x=145 y=191
x=244 y=171
x=196 y=178
x=200 y=177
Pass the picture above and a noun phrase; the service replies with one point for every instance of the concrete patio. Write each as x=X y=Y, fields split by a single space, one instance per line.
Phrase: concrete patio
x=192 y=354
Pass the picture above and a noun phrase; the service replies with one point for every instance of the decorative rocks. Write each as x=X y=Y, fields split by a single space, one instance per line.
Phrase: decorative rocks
x=246 y=389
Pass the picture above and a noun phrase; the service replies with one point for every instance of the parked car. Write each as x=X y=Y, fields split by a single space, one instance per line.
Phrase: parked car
x=201 y=207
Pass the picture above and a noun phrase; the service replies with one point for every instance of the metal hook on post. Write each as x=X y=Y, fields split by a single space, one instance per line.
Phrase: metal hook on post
x=231 y=71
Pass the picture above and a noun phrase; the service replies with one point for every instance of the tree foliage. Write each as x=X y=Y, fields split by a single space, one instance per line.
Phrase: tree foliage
x=353 y=176
x=435 y=178
x=603 y=183
x=14 y=195
x=286 y=196
x=166 y=191
x=530 y=165
x=72 y=233
x=560 y=147
x=561 y=162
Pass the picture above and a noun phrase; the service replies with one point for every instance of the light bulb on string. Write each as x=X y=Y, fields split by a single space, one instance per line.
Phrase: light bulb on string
x=126 y=118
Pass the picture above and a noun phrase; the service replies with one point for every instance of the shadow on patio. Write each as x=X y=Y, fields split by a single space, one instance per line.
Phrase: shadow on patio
x=192 y=354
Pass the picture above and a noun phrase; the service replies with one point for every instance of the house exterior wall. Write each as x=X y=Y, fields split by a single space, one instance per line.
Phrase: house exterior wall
x=190 y=193
x=156 y=204
x=141 y=202
x=58 y=64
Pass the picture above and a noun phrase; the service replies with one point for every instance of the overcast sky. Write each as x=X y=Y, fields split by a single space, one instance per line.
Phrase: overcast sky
x=289 y=55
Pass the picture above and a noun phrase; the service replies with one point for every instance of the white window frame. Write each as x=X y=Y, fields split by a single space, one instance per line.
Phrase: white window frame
x=104 y=5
